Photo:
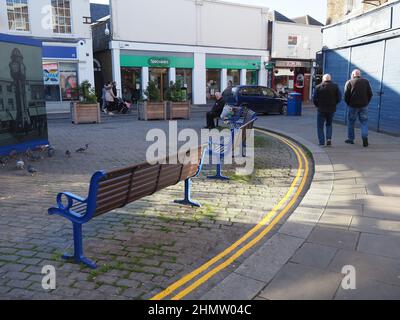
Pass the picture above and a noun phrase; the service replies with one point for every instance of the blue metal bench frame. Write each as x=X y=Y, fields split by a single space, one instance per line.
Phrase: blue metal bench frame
x=78 y=220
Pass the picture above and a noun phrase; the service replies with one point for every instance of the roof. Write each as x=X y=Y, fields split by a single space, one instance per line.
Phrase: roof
x=98 y=11
x=308 y=20
x=277 y=16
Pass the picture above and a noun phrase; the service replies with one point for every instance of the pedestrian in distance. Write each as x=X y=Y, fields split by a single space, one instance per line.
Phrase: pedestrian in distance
x=216 y=111
x=358 y=95
x=110 y=98
x=326 y=97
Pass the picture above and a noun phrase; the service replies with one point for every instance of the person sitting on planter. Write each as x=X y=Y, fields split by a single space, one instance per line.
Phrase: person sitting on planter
x=215 y=111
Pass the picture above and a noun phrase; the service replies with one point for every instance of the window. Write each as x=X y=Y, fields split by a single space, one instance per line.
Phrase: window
x=292 y=40
x=267 y=92
x=18 y=15
x=61 y=16
x=185 y=78
x=250 y=91
x=234 y=76
x=69 y=81
x=252 y=77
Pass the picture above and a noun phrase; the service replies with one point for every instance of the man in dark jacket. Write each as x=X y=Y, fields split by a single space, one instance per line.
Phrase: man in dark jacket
x=326 y=97
x=215 y=111
x=358 y=95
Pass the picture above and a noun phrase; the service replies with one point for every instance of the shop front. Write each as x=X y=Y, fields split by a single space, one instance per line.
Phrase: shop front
x=224 y=69
x=292 y=76
x=60 y=76
x=138 y=68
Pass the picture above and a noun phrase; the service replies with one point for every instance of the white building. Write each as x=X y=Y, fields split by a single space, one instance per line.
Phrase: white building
x=202 y=43
x=294 y=45
x=64 y=28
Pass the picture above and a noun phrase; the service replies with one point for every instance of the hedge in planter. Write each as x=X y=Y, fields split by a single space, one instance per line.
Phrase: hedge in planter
x=152 y=108
x=87 y=110
x=177 y=105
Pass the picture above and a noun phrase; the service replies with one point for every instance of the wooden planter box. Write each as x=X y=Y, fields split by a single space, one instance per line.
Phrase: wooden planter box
x=178 y=110
x=85 y=113
x=152 y=111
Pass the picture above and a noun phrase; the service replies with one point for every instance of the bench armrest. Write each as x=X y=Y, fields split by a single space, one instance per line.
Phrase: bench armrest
x=70 y=198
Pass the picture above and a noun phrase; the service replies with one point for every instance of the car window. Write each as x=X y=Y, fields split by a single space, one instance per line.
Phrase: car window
x=267 y=92
x=250 y=91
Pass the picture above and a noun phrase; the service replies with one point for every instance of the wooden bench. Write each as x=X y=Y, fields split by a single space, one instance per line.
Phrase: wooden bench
x=117 y=188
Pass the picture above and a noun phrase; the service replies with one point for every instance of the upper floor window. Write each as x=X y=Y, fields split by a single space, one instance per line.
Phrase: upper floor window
x=61 y=16
x=18 y=15
x=292 y=41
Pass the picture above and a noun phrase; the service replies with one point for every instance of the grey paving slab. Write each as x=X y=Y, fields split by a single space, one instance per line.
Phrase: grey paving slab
x=369 y=290
x=381 y=245
x=269 y=258
x=235 y=287
x=335 y=220
x=334 y=237
x=299 y=282
x=314 y=255
x=368 y=266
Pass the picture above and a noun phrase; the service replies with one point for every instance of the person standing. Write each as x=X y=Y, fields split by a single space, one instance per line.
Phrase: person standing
x=358 y=95
x=216 y=111
x=110 y=98
x=326 y=97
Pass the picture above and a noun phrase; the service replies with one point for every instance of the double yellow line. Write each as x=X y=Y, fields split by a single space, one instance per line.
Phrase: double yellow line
x=265 y=223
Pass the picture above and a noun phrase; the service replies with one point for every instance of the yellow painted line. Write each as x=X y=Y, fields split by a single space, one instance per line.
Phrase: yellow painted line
x=261 y=224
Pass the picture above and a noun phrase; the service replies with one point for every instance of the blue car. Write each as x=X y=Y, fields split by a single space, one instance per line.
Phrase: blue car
x=262 y=100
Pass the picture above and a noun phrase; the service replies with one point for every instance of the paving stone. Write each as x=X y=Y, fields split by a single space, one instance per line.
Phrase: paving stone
x=298 y=282
x=387 y=246
x=334 y=237
x=368 y=266
x=369 y=290
x=235 y=287
x=314 y=255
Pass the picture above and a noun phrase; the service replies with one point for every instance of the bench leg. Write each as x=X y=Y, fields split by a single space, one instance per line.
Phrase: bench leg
x=188 y=200
x=78 y=256
x=219 y=175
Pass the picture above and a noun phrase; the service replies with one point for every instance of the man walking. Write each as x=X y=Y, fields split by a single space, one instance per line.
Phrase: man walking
x=216 y=111
x=326 y=97
x=358 y=95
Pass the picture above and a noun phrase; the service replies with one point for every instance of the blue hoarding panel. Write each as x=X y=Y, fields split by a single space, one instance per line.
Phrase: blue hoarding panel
x=337 y=64
x=390 y=101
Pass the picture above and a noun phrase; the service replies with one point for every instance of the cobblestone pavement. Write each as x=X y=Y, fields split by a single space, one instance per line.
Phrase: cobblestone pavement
x=142 y=248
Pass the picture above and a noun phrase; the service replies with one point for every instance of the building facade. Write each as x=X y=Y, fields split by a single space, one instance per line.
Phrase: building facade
x=197 y=42
x=370 y=42
x=342 y=9
x=64 y=28
x=293 y=46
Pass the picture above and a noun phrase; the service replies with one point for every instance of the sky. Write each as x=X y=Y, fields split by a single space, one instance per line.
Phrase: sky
x=289 y=8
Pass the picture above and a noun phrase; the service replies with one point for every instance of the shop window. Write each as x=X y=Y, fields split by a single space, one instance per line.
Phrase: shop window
x=131 y=84
x=234 y=76
x=18 y=15
x=184 y=76
x=61 y=10
x=51 y=78
x=252 y=77
x=69 y=81
x=160 y=77
x=213 y=83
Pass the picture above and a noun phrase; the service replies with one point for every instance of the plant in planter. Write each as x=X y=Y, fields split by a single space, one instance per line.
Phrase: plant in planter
x=177 y=106
x=152 y=108
x=87 y=110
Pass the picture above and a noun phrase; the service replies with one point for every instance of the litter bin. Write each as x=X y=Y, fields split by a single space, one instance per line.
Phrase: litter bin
x=294 y=104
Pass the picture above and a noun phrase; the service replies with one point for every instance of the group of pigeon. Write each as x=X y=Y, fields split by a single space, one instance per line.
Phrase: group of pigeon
x=36 y=156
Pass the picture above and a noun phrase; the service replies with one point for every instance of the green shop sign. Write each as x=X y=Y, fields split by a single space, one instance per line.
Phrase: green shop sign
x=217 y=63
x=157 y=62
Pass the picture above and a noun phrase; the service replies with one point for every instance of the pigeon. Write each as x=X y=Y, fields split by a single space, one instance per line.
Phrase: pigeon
x=82 y=150
x=20 y=165
x=51 y=152
x=3 y=161
x=68 y=154
x=35 y=158
x=29 y=153
x=32 y=170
